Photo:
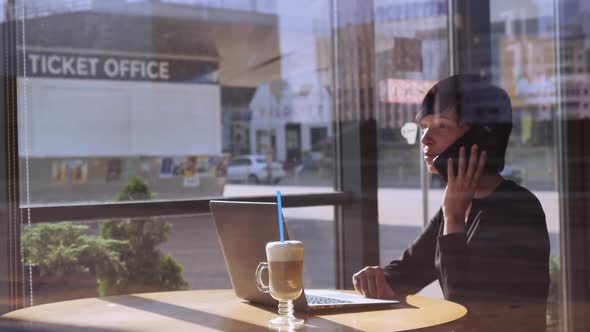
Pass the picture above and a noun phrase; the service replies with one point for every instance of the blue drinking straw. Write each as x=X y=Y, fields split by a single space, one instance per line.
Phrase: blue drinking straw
x=280 y=209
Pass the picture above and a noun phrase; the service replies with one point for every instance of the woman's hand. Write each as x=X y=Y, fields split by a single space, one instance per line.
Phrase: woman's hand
x=461 y=188
x=371 y=282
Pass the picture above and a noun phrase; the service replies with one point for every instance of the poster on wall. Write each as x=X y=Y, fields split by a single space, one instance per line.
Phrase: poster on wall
x=130 y=168
x=59 y=172
x=72 y=171
x=166 y=168
x=146 y=165
x=78 y=170
x=191 y=181
x=178 y=166
x=114 y=170
x=191 y=176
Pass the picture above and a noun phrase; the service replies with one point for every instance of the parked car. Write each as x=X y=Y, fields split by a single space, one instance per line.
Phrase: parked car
x=253 y=169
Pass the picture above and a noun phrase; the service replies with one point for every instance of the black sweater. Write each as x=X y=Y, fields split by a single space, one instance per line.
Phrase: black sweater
x=502 y=257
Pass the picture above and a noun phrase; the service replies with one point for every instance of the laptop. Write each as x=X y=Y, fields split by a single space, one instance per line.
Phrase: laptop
x=243 y=229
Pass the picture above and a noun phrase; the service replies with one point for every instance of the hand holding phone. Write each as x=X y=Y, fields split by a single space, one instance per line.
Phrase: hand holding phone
x=475 y=135
x=461 y=188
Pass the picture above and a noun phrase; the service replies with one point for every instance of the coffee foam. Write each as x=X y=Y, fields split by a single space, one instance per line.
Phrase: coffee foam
x=285 y=251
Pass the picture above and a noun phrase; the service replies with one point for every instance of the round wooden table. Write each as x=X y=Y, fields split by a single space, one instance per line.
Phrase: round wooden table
x=220 y=310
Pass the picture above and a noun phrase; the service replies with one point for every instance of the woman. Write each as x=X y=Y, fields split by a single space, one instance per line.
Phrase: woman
x=489 y=241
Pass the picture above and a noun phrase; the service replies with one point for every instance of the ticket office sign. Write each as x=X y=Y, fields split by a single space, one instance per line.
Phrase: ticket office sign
x=121 y=68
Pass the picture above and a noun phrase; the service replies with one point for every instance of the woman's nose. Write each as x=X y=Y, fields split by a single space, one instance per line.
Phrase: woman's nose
x=426 y=138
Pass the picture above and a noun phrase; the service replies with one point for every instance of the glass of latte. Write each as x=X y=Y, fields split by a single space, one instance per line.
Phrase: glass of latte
x=285 y=269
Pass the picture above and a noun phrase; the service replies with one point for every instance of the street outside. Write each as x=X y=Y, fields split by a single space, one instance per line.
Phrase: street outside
x=402 y=207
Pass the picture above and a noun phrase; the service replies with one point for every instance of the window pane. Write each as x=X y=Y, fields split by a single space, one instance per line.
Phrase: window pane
x=171 y=91
x=122 y=256
x=525 y=65
x=411 y=54
x=167 y=100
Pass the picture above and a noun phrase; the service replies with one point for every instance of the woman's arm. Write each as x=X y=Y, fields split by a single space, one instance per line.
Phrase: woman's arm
x=416 y=269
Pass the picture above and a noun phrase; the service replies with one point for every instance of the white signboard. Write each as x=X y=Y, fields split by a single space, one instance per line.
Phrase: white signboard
x=92 y=118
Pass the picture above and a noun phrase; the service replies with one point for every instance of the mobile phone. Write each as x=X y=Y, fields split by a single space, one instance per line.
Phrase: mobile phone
x=480 y=135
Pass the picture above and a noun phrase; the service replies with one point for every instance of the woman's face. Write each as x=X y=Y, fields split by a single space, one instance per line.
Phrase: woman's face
x=439 y=131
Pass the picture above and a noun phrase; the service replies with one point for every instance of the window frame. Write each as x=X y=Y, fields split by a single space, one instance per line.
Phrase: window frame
x=139 y=209
x=11 y=267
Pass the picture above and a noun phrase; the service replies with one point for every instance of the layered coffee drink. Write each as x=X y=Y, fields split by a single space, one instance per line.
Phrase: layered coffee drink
x=285 y=265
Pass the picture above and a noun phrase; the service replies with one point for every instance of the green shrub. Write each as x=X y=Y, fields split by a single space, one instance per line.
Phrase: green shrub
x=61 y=249
x=147 y=268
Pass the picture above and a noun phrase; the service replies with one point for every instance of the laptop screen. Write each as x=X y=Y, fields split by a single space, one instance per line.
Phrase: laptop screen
x=244 y=229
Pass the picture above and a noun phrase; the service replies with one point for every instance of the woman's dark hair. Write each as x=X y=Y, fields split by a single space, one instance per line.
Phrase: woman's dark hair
x=476 y=102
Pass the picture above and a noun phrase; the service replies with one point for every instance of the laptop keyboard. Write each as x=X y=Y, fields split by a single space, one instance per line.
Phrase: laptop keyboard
x=311 y=299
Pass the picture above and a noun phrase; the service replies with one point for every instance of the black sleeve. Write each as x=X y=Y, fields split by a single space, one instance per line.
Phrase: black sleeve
x=416 y=269
x=504 y=257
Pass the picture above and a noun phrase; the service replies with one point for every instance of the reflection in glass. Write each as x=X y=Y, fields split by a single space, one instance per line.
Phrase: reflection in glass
x=129 y=94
